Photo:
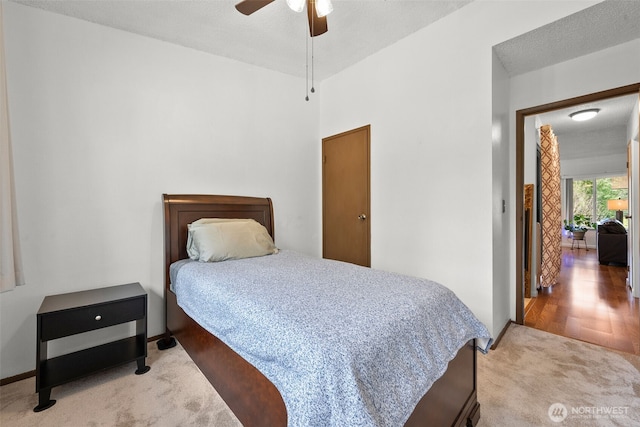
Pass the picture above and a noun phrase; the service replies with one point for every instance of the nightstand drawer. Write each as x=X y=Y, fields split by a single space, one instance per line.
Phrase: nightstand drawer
x=69 y=322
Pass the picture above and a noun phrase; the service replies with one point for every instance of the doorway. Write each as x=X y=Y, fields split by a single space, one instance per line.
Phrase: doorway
x=520 y=157
x=346 y=226
x=553 y=297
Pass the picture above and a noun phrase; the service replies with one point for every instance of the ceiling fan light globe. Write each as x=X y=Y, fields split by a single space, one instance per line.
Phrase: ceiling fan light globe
x=296 y=5
x=323 y=7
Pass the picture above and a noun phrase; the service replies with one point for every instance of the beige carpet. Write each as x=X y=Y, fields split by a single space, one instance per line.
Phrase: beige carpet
x=532 y=370
x=517 y=384
x=173 y=393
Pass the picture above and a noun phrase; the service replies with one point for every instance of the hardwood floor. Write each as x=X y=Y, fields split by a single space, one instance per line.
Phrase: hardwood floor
x=590 y=302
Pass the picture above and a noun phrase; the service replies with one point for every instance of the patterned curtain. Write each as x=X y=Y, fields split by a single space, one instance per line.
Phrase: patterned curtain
x=10 y=261
x=551 y=207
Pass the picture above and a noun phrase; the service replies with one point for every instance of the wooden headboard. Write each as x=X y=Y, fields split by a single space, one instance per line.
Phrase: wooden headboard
x=183 y=209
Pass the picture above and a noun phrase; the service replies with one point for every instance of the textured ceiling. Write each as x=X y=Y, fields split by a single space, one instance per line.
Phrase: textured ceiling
x=614 y=112
x=604 y=25
x=604 y=135
x=274 y=37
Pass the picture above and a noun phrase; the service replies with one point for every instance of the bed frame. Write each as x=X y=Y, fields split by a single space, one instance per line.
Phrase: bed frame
x=451 y=401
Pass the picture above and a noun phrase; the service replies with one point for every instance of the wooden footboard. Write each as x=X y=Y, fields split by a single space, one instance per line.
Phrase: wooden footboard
x=451 y=401
x=250 y=395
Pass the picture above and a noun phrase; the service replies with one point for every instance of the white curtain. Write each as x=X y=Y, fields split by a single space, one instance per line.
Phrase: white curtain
x=10 y=261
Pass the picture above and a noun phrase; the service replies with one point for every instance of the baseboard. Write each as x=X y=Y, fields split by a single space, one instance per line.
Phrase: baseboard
x=155 y=338
x=16 y=378
x=501 y=334
x=25 y=375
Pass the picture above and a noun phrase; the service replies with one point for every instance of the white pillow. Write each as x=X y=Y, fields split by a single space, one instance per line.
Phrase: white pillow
x=192 y=249
x=224 y=239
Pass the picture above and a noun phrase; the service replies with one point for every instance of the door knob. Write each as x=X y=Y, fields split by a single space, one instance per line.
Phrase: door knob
x=362 y=217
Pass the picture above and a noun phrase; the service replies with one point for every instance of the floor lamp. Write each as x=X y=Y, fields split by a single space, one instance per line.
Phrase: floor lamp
x=618 y=205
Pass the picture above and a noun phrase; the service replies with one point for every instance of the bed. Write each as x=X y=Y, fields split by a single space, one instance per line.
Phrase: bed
x=253 y=398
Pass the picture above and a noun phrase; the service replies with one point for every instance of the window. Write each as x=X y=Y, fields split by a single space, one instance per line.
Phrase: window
x=590 y=196
x=583 y=197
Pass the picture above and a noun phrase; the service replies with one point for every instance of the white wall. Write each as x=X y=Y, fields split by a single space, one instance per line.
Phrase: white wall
x=633 y=124
x=428 y=99
x=609 y=68
x=106 y=121
x=501 y=153
x=613 y=164
x=103 y=123
x=583 y=164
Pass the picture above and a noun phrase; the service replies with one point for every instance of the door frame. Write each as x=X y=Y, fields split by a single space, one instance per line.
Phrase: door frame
x=519 y=196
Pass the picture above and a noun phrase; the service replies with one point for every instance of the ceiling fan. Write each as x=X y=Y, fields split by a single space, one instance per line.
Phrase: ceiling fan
x=317 y=11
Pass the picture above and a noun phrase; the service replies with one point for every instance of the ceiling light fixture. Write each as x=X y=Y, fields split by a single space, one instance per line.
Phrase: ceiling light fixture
x=582 y=115
x=296 y=5
x=323 y=7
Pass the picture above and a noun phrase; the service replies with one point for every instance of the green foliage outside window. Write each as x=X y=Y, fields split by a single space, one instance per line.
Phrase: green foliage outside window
x=583 y=197
x=605 y=190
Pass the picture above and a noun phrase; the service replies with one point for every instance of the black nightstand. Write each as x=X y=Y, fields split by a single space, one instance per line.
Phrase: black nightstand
x=73 y=313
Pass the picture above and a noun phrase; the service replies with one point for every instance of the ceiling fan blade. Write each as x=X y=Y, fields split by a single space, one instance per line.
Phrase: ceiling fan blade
x=247 y=7
x=317 y=25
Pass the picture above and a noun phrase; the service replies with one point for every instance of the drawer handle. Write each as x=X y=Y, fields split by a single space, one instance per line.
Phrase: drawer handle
x=98 y=317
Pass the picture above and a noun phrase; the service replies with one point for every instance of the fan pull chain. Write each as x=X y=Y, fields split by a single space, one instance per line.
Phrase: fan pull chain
x=312 y=66
x=306 y=57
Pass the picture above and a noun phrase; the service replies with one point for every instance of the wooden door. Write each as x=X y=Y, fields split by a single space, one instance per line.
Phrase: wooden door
x=346 y=227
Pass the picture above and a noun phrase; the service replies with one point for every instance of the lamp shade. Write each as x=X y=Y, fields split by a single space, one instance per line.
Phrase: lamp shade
x=617 y=205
